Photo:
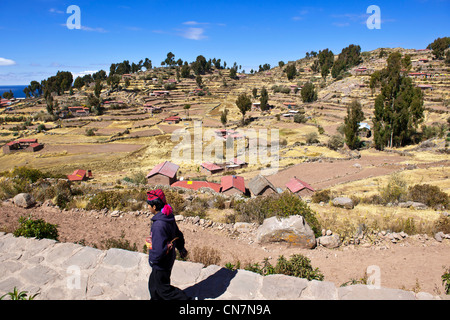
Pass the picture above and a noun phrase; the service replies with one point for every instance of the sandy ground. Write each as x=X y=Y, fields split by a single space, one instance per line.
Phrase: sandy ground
x=413 y=264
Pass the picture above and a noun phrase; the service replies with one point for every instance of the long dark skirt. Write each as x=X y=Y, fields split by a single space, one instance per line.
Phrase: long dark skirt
x=161 y=289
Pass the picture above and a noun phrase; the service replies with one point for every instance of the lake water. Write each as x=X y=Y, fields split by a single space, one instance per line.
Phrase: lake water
x=16 y=90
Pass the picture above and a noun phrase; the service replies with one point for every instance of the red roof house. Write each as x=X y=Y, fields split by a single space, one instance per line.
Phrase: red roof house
x=231 y=185
x=78 y=175
x=171 y=119
x=300 y=187
x=163 y=174
x=210 y=168
x=195 y=185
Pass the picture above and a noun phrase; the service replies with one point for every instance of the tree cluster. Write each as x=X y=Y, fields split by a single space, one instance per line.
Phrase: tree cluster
x=349 y=57
x=439 y=46
x=398 y=108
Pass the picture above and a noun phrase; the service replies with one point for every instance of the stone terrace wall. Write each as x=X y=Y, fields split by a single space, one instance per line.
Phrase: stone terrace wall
x=66 y=271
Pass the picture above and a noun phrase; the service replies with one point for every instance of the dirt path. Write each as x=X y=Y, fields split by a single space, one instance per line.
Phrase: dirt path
x=411 y=264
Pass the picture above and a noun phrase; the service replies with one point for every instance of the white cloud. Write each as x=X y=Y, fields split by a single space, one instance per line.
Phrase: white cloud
x=194 y=23
x=83 y=73
x=84 y=28
x=6 y=62
x=53 y=10
x=194 y=34
x=100 y=30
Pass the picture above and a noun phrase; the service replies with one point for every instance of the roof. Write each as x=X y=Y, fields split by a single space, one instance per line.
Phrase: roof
x=296 y=185
x=27 y=141
x=259 y=183
x=195 y=185
x=166 y=168
x=77 y=175
x=211 y=166
x=173 y=118
x=229 y=182
x=34 y=145
x=237 y=161
x=363 y=125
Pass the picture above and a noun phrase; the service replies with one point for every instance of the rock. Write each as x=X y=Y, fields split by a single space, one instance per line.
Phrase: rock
x=293 y=230
x=439 y=236
x=412 y=204
x=343 y=202
x=329 y=242
x=329 y=232
x=115 y=213
x=243 y=227
x=24 y=200
x=179 y=217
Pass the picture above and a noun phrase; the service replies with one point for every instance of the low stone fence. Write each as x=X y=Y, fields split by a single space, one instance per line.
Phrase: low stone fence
x=67 y=271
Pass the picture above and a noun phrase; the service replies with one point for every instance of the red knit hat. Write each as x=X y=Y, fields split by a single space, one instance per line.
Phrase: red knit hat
x=154 y=194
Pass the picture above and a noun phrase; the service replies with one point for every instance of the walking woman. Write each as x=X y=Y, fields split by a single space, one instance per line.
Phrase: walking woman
x=165 y=237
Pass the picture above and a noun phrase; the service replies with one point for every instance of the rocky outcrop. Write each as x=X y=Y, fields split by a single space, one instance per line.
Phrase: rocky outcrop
x=293 y=230
x=343 y=202
x=24 y=200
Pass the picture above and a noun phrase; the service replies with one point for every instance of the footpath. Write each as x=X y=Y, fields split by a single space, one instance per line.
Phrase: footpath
x=67 y=271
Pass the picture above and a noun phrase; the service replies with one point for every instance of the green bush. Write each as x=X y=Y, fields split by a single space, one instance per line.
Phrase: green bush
x=297 y=266
x=120 y=243
x=280 y=205
x=446 y=280
x=36 y=229
x=430 y=195
x=395 y=191
x=321 y=196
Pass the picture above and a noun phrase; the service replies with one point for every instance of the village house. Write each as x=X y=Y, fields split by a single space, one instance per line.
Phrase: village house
x=163 y=174
x=80 y=175
x=172 y=119
x=425 y=87
x=79 y=111
x=260 y=186
x=159 y=93
x=152 y=109
x=210 y=168
x=300 y=187
x=195 y=185
x=24 y=145
x=232 y=185
x=289 y=105
x=236 y=163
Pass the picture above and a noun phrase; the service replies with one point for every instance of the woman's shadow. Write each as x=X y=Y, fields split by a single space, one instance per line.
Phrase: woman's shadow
x=212 y=287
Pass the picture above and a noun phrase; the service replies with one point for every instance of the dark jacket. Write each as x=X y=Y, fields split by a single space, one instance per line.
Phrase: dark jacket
x=164 y=229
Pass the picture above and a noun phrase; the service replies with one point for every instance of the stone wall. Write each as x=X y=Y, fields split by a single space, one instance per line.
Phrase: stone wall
x=67 y=271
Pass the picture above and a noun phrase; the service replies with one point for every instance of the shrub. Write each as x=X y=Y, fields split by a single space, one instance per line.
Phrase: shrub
x=297 y=266
x=442 y=224
x=446 y=280
x=336 y=142
x=120 y=243
x=280 y=205
x=321 y=196
x=205 y=255
x=395 y=190
x=36 y=229
x=300 y=118
x=430 y=195
x=312 y=137
x=176 y=200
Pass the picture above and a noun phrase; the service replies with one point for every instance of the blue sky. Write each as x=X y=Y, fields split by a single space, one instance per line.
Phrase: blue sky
x=36 y=42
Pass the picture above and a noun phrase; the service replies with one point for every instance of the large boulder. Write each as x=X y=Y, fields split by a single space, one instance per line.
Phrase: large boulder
x=343 y=202
x=293 y=230
x=24 y=200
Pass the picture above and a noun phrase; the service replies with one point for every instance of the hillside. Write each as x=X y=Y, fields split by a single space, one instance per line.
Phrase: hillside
x=125 y=142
